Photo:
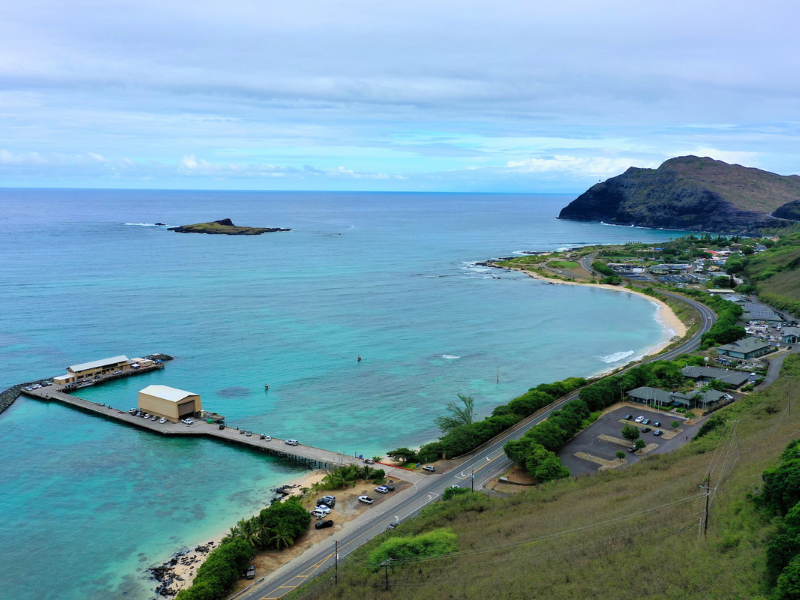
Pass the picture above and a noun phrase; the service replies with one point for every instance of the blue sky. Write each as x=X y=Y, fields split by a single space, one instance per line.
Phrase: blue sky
x=495 y=96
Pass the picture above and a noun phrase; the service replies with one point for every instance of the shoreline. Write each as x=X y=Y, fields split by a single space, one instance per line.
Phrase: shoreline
x=665 y=316
x=178 y=572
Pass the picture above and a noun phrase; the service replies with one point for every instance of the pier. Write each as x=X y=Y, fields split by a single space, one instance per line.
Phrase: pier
x=308 y=455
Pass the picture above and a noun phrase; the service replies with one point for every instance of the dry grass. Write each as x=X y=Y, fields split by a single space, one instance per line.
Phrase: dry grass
x=627 y=533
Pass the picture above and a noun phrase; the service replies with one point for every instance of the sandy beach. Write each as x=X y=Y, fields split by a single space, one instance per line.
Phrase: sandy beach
x=664 y=314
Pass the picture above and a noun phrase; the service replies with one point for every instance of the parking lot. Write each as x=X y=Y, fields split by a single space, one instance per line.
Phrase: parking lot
x=590 y=443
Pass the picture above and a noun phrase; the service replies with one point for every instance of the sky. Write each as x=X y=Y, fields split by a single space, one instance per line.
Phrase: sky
x=499 y=96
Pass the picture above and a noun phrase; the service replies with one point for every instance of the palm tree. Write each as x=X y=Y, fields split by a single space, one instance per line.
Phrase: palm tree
x=281 y=536
x=263 y=530
x=249 y=531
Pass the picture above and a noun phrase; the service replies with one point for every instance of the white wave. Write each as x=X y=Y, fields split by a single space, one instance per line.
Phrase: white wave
x=616 y=357
x=145 y=225
x=450 y=356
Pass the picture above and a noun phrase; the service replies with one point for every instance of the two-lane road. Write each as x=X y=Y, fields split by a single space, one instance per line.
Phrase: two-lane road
x=485 y=462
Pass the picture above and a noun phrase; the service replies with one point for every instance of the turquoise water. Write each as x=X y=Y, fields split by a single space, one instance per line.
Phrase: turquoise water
x=386 y=276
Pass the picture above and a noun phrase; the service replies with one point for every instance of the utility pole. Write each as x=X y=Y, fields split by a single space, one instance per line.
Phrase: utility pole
x=336 y=559
x=386 y=571
x=707 y=487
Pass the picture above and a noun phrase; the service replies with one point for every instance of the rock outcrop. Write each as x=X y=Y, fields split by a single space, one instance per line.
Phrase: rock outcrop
x=689 y=193
x=224 y=227
x=790 y=210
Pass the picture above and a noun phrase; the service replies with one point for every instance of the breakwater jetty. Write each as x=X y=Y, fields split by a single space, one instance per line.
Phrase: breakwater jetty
x=307 y=455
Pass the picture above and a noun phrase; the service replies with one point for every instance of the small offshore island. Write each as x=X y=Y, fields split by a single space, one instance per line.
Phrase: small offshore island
x=225 y=227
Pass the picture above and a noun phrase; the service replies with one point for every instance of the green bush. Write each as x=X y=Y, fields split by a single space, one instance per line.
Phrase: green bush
x=451 y=492
x=434 y=543
x=781 y=486
x=709 y=426
x=788 y=587
x=220 y=571
x=603 y=269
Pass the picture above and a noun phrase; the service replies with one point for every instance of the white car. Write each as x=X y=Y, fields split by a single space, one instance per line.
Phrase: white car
x=638 y=419
x=163 y=420
x=324 y=508
x=188 y=421
x=292 y=442
x=382 y=489
x=365 y=499
x=429 y=468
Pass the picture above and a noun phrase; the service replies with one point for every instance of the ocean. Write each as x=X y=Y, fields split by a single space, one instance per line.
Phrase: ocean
x=86 y=505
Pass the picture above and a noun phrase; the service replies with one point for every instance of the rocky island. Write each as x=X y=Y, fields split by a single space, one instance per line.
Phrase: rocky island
x=225 y=227
x=691 y=193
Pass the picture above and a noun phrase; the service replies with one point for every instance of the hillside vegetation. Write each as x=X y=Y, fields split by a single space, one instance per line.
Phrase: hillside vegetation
x=776 y=273
x=631 y=533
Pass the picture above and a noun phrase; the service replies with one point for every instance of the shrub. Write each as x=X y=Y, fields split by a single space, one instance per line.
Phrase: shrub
x=220 y=571
x=782 y=486
x=709 y=426
x=675 y=424
x=620 y=454
x=451 y=492
x=640 y=444
x=629 y=432
x=434 y=543
x=788 y=587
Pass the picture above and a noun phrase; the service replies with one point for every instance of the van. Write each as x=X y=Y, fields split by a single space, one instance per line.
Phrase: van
x=292 y=442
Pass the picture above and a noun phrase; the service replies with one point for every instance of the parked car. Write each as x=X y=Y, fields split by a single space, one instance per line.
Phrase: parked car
x=369 y=461
x=324 y=508
x=365 y=499
x=146 y=415
x=632 y=448
x=658 y=432
x=154 y=418
x=657 y=424
x=163 y=420
x=323 y=524
x=249 y=433
x=319 y=514
x=292 y=442
x=328 y=500
x=639 y=419
x=268 y=438
x=429 y=468
x=241 y=431
x=646 y=422
x=389 y=487
x=382 y=489
x=187 y=421
x=646 y=430
x=392 y=525
x=251 y=572
x=628 y=417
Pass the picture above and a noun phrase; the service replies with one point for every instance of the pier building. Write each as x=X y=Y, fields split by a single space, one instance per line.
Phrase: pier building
x=169 y=402
x=92 y=369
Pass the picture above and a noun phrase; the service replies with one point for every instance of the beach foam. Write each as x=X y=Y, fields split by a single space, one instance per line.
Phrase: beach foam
x=616 y=357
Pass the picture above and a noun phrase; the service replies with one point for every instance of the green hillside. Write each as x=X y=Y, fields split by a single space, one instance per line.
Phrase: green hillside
x=631 y=533
x=776 y=273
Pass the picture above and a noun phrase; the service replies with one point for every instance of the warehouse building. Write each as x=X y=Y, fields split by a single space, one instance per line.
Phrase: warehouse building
x=91 y=369
x=169 y=402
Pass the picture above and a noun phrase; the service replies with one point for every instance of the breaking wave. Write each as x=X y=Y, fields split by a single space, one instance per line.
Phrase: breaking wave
x=616 y=357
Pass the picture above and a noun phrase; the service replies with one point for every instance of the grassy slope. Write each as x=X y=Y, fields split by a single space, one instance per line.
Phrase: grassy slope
x=744 y=187
x=785 y=258
x=626 y=559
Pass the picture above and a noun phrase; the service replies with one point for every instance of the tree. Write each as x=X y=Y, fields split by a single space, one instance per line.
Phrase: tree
x=404 y=455
x=629 y=432
x=675 y=424
x=640 y=444
x=788 y=587
x=620 y=454
x=281 y=536
x=459 y=415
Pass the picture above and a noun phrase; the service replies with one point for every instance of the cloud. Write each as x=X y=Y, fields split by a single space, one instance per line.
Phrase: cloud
x=21 y=158
x=584 y=167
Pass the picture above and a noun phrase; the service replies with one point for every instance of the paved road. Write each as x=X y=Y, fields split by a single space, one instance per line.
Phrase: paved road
x=486 y=463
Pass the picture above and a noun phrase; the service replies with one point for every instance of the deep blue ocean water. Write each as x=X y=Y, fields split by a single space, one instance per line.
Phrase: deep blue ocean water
x=86 y=505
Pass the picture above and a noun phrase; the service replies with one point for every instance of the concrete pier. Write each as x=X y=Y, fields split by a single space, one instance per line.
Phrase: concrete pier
x=314 y=457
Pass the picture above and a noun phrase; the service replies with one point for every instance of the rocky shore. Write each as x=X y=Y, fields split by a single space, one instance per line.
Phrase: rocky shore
x=8 y=397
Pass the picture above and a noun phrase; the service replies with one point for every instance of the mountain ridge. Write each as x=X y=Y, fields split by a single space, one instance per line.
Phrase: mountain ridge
x=689 y=193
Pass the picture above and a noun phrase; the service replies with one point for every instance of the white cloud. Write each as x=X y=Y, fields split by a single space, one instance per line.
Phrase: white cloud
x=580 y=166
x=98 y=157
x=21 y=158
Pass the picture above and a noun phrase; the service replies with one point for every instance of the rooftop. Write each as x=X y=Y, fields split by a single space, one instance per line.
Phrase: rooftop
x=95 y=364
x=166 y=393
x=748 y=344
x=735 y=378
